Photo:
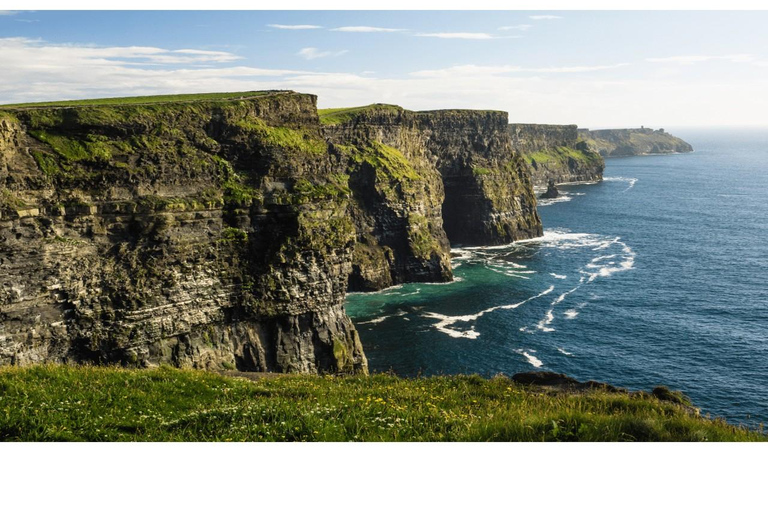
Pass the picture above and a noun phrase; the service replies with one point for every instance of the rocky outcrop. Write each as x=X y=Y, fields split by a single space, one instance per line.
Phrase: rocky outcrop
x=556 y=153
x=551 y=192
x=223 y=233
x=420 y=179
x=208 y=234
x=634 y=141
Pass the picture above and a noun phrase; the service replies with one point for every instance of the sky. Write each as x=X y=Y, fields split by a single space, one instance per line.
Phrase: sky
x=597 y=69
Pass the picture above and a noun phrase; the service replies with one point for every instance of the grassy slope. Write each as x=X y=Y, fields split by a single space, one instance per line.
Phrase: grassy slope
x=334 y=116
x=100 y=404
x=133 y=100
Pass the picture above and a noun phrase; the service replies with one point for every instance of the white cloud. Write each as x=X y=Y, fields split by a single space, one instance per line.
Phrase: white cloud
x=314 y=53
x=545 y=17
x=464 y=35
x=366 y=29
x=35 y=70
x=516 y=27
x=294 y=27
x=473 y=70
x=693 y=59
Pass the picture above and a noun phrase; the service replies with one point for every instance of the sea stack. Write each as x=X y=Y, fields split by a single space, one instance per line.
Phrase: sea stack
x=551 y=192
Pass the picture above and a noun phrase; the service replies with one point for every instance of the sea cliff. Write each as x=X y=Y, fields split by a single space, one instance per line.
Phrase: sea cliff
x=223 y=231
x=420 y=179
x=634 y=141
x=556 y=153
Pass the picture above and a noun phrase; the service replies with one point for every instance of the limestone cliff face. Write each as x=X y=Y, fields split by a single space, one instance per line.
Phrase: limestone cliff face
x=556 y=153
x=489 y=198
x=205 y=234
x=420 y=179
x=224 y=233
x=634 y=141
x=397 y=198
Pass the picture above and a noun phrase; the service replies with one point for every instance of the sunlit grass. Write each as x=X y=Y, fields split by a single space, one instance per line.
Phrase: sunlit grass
x=63 y=403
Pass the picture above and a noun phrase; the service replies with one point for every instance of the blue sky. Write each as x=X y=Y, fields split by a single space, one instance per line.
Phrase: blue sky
x=592 y=68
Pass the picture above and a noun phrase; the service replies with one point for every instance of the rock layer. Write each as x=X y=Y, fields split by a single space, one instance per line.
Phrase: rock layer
x=556 y=153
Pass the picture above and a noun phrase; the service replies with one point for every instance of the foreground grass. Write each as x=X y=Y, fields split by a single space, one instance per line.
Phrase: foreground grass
x=61 y=403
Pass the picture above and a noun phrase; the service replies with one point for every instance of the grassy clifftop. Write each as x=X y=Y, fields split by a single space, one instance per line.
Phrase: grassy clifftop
x=134 y=100
x=47 y=403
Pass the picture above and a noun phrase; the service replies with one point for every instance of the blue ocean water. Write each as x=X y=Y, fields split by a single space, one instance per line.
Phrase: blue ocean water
x=657 y=275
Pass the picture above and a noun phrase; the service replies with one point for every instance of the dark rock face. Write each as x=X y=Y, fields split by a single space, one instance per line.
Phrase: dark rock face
x=551 y=192
x=206 y=235
x=397 y=199
x=634 y=141
x=556 y=153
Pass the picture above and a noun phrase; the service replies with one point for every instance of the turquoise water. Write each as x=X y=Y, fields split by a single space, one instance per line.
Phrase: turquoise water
x=658 y=275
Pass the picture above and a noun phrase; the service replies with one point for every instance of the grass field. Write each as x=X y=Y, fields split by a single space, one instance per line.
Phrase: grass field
x=65 y=403
x=133 y=100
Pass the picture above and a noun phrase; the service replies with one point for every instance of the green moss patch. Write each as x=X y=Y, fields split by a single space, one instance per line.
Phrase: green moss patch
x=285 y=137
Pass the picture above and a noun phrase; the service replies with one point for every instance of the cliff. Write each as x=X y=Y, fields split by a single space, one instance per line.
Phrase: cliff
x=420 y=179
x=222 y=231
x=634 y=141
x=556 y=153
x=209 y=233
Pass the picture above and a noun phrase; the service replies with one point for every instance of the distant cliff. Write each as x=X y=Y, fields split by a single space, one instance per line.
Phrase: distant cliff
x=555 y=152
x=634 y=141
x=223 y=230
x=420 y=179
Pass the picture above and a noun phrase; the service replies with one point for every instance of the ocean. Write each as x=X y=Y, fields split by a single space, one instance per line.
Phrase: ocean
x=656 y=276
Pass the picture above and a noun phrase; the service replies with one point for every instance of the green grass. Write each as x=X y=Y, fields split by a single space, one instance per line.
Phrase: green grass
x=133 y=100
x=333 y=116
x=61 y=403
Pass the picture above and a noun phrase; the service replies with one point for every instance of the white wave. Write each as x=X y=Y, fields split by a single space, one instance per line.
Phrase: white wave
x=460 y=254
x=508 y=274
x=533 y=360
x=562 y=351
x=563 y=198
x=383 y=291
x=549 y=316
x=557 y=276
x=375 y=320
x=571 y=314
x=446 y=321
x=456 y=279
x=630 y=181
x=596 y=269
x=544 y=322
x=380 y=319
